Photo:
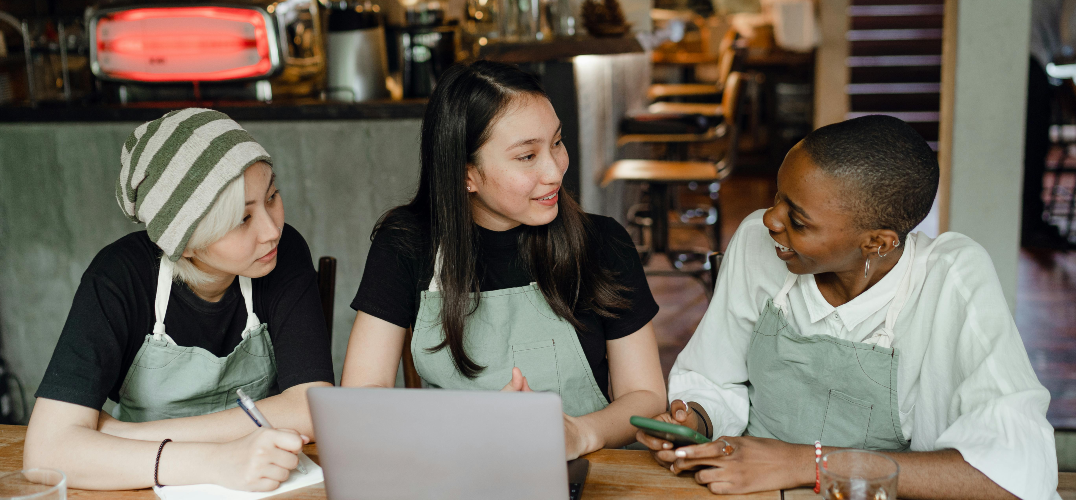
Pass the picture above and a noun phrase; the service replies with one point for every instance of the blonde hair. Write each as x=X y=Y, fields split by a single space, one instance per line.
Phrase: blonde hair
x=225 y=214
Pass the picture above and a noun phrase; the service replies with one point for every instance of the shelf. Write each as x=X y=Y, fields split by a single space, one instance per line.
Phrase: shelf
x=557 y=48
x=283 y=110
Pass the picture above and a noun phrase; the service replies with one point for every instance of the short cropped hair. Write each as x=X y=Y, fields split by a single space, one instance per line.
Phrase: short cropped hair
x=888 y=171
x=225 y=214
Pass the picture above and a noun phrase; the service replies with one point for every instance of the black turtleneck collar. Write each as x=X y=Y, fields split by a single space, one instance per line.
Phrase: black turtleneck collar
x=500 y=239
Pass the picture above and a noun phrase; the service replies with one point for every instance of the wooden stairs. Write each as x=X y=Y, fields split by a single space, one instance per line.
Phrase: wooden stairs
x=895 y=61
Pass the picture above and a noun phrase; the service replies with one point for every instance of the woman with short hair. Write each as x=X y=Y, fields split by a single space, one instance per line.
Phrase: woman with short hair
x=217 y=294
x=833 y=322
x=506 y=282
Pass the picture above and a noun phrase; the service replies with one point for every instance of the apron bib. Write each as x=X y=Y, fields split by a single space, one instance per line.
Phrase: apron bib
x=510 y=328
x=170 y=381
x=842 y=393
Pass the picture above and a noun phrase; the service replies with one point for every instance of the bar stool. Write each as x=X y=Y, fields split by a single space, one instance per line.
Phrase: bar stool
x=661 y=175
x=707 y=91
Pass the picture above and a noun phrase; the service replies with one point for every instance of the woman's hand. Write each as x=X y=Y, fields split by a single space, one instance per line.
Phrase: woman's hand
x=258 y=462
x=518 y=382
x=755 y=464
x=661 y=449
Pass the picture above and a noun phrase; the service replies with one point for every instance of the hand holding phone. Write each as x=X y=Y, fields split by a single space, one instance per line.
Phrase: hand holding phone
x=676 y=434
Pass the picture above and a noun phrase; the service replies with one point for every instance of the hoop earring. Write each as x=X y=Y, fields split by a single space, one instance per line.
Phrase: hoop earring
x=880 y=254
x=867 y=267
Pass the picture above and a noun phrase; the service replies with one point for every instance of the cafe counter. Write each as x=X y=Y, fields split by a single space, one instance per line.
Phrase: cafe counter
x=289 y=110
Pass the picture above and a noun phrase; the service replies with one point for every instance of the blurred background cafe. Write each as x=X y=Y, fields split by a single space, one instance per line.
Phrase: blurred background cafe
x=676 y=116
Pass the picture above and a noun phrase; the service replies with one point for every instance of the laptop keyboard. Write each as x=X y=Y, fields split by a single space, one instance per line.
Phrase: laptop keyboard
x=575 y=491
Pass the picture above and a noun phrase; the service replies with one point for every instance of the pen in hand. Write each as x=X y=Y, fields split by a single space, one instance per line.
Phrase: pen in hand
x=252 y=411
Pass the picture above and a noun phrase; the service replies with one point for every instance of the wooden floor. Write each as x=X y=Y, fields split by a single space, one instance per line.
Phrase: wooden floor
x=1045 y=308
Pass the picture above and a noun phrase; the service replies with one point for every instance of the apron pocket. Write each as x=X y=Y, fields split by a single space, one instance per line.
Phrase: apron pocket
x=846 y=421
x=538 y=362
x=257 y=390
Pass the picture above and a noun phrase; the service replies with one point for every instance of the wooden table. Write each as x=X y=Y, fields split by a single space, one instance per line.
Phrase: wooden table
x=613 y=474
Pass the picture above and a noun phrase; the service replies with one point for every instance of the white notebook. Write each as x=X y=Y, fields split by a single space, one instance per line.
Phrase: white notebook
x=295 y=481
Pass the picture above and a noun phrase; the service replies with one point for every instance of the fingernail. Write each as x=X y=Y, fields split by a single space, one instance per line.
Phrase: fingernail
x=681 y=453
x=667 y=446
x=680 y=415
x=672 y=468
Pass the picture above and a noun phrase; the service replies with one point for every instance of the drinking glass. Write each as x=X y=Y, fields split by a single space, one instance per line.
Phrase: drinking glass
x=520 y=20
x=36 y=484
x=858 y=475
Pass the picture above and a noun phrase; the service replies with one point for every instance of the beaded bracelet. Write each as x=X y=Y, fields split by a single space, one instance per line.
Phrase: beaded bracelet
x=817 y=471
x=157 y=464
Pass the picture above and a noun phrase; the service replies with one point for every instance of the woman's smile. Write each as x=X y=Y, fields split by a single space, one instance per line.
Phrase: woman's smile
x=784 y=253
x=550 y=199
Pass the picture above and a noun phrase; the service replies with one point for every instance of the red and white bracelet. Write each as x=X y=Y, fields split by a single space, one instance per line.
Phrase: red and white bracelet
x=817 y=465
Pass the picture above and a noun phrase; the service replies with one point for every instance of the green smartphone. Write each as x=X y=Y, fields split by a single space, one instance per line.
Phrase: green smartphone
x=676 y=434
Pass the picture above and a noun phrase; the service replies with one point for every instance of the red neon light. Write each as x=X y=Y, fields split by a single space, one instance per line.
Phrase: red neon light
x=185 y=37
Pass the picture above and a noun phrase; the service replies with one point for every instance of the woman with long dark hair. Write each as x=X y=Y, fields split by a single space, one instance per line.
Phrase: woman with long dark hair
x=505 y=281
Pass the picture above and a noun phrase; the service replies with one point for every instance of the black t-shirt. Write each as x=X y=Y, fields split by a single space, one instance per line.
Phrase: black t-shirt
x=113 y=312
x=393 y=282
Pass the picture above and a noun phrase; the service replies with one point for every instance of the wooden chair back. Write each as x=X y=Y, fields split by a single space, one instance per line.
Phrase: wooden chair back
x=730 y=96
x=411 y=378
x=327 y=289
x=725 y=61
x=726 y=41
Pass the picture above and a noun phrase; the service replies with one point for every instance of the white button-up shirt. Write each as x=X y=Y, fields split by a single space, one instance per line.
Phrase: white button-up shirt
x=964 y=380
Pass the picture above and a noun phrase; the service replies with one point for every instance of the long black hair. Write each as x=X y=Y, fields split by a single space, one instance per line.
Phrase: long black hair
x=559 y=255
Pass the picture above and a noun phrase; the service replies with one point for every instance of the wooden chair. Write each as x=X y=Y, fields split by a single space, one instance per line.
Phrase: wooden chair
x=713 y=112
x=327 y=289
x=659 y=175
x=725 y=60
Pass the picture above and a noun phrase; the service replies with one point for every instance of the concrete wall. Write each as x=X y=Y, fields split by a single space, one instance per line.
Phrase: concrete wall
x=57 y=210
x=608 y=88
x=988 y=90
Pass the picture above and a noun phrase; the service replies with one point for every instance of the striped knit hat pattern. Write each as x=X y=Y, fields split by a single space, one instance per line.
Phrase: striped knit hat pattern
x=173 y=168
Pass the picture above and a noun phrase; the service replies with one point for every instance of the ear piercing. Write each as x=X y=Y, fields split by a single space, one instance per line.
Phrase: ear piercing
x=880 y=254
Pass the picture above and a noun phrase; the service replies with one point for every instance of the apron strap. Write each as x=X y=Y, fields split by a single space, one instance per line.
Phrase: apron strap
x=246 y=289
x=160 y=302
x=781 y=299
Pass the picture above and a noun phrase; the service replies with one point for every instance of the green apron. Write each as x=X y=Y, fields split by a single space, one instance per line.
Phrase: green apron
x=842 y=393
x=514 y=327
x=170 y=381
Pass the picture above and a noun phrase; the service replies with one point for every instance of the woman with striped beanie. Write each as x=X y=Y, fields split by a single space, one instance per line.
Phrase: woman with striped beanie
x=239 y=292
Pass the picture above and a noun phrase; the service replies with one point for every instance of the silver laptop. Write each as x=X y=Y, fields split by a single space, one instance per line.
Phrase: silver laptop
x=427 y=443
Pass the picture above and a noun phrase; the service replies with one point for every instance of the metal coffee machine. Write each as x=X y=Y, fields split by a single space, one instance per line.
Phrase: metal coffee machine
x=358 y=61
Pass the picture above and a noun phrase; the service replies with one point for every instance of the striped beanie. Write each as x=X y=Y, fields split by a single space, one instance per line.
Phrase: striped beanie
x=173 y=168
